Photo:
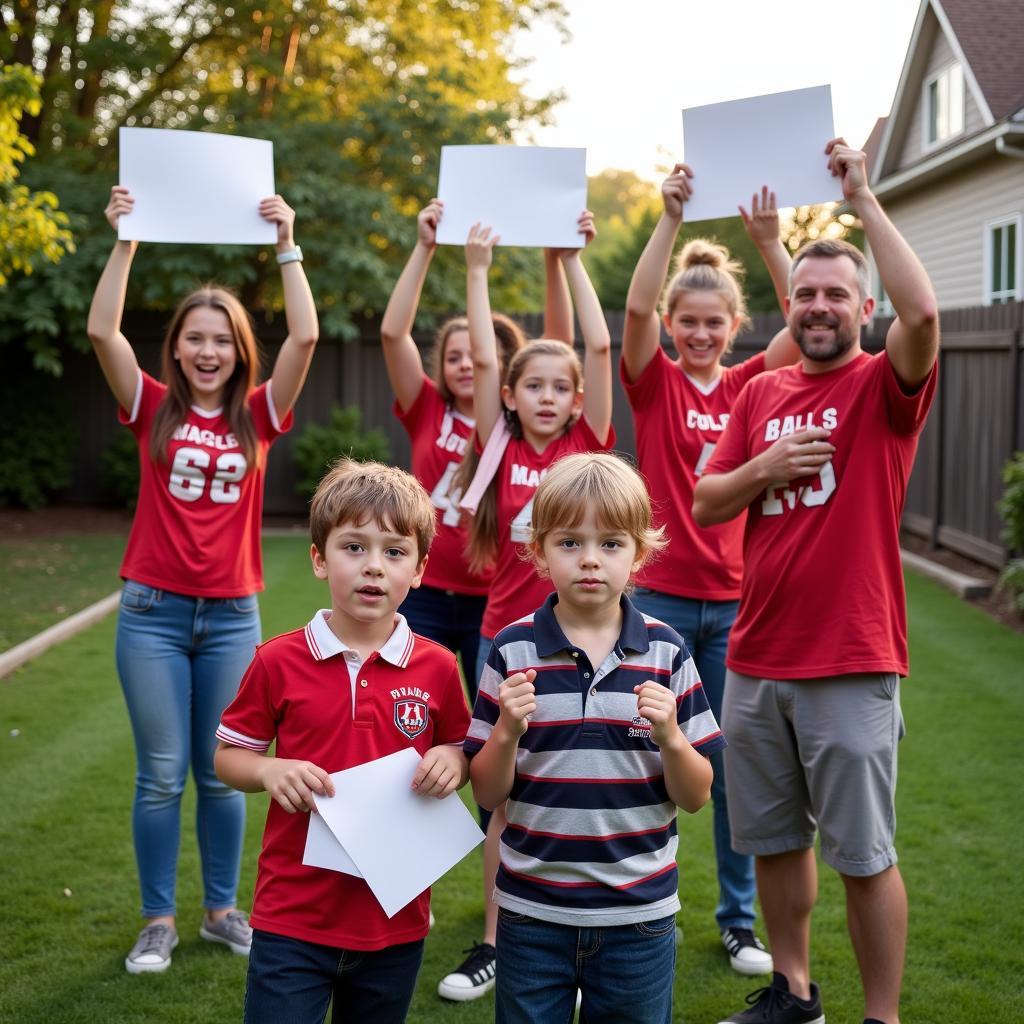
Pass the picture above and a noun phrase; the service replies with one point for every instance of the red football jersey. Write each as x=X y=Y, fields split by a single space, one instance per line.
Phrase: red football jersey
x=823 y=584
x=439 y=436
x=517 y=589
x=197 y=524
x=296 y=691
x=678 y=423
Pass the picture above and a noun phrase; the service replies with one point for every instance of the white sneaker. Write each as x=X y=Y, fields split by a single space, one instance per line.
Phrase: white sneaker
x=746 y=953
x=473 y=978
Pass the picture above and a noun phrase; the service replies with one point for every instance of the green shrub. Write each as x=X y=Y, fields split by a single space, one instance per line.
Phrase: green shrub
x=119 y=470
x=318 y=446
x=37 y=441
x=1011 y=508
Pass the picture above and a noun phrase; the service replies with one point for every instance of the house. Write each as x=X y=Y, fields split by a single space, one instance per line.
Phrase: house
x=948 y=162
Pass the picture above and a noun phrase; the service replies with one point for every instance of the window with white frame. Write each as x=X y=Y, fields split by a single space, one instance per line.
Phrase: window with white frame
x=1003 y=260
x=883 y=304
x=944 y=104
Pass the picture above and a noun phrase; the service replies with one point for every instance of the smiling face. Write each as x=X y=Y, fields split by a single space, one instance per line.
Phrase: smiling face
x=701 y=327
x=457 y=368
x=545 y=397
x=369 y=569
x=589 y=564
x=206 y=354
x=825 y=311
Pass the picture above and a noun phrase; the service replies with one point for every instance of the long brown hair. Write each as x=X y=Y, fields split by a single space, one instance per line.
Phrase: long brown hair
x=172 y=411
x=705 y=266
x=484 y=530
x=508 y=334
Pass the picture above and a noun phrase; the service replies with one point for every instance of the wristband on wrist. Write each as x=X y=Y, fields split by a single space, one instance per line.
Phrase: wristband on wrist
x=290 y=256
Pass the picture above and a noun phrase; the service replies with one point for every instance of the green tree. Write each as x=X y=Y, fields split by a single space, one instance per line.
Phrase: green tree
x=358 y=98
x=31 y=225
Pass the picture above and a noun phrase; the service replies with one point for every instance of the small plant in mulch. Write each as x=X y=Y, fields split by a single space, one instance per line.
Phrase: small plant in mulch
x=1011 y=508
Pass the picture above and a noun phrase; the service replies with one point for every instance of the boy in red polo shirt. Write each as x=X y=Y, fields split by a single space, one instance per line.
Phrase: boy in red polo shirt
x=355 y=684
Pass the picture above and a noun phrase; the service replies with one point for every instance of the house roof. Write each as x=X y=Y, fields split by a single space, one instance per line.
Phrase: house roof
x=991 y=35
x=873 y=143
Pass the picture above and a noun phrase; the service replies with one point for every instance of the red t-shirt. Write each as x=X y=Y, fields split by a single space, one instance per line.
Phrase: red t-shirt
x=439 y=436
x=823 y=584
x=516 y=589
x=678 y=423
x=297 y=692
x=197 y=524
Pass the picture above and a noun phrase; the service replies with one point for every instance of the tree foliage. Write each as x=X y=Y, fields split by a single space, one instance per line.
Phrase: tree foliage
x=358 y=97
x=31 y=225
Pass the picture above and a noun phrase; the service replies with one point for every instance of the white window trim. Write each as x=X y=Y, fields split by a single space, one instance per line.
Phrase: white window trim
x=927 y=144
x=883 y=304
x=1018 y=284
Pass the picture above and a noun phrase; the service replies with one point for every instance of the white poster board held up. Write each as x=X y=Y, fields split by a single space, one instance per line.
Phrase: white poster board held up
x=528 y=195
x=195 y=187
x=776 y=140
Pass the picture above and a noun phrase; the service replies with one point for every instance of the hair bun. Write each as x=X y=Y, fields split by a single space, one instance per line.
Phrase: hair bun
x=700 y=251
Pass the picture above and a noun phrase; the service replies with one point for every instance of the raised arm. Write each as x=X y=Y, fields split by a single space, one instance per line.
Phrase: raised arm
x=289 y=373
x=642 y=331
x=557 y=300
x=912 y=343
x=762 y=224
x=597 y=342
x=486 y=369
x=401 y=355
x=115 y=354
x=493 y=769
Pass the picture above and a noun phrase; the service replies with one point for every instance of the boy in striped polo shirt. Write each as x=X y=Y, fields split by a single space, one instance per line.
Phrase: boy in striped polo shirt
x=591 y=722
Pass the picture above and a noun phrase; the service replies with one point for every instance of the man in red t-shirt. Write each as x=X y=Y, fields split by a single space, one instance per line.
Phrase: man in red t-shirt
x=818 y=455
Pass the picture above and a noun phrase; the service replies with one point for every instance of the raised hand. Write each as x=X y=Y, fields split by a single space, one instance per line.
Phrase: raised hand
x=293 y=783
x=426 y=222
x=278 y=212
x=518 y=700
x=762 y=222
x=797 y=455
x=849 y=165
x=657 y=704
x=676 y=189
x=585 y=227
x=480 y=247
x=121 y=202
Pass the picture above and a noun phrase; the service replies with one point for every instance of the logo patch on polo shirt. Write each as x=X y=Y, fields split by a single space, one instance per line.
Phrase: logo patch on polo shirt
x=411 y=717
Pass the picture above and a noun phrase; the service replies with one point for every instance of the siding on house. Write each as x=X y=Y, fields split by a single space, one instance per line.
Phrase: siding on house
x=944 y=223
x=939 y=54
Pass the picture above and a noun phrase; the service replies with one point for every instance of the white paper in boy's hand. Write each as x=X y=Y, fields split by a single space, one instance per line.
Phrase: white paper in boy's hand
x=195 y=187
x=324 y=851
x=776 y=140
x=401 y=842
x=529 y=195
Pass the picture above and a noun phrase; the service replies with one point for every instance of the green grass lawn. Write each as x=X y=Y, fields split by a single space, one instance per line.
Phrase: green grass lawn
x=70 y=910
x=47 y=579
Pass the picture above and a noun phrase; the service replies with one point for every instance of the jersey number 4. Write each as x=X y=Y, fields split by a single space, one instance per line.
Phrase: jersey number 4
x=446 y=499
x=779 y=497
x=189 y=475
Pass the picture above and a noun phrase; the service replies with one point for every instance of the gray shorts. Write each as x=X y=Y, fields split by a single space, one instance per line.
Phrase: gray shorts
x=814 y=753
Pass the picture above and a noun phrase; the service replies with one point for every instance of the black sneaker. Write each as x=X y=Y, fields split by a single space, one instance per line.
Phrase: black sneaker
x=473 y=978
x=775 y=1004
x=746 y=953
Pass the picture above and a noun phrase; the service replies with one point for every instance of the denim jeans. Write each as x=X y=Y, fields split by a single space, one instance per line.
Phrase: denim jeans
x=180 y=660
x=292 y=982
x=450 y=619
x=625 y=972
x=705 y=625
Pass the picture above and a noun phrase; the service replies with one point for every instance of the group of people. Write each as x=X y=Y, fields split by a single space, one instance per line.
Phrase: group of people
x=724 y=621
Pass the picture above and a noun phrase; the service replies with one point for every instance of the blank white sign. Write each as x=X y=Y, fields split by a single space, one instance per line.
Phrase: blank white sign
x=776 y=140
x=195 y=187
x=529 y=195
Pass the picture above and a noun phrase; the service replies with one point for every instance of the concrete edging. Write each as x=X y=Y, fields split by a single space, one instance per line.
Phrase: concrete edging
x=961 y=584
x=63 y=630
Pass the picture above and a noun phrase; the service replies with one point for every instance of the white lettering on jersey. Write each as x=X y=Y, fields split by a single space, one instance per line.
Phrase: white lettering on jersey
x=786 y=425
x=453 y=443
x=705 y=421
x=705 y=456
x=519 y=529
x=779 y=497
x=523 y=476
x=444 y=498
x=197 y=435
x=188 y=476
x=409 y=691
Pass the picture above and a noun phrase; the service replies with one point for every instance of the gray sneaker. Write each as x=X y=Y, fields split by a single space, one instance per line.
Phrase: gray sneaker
x=152 y=952
x=232 y=930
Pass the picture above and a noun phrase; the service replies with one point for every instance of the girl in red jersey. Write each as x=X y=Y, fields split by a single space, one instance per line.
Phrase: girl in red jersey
x=438 y=414
x=189 y=619
x=680 y=407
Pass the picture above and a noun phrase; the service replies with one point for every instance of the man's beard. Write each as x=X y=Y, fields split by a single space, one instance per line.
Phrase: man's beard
x=820 y=351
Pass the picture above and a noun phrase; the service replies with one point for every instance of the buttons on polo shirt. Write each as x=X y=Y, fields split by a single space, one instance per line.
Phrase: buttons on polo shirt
x=575 y=654
x=586 y=675
x=363 y=682
x=593 y=691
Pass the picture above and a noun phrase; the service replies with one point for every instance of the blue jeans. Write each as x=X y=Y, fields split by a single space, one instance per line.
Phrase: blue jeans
x=625 y=973
x=705 y=625
x=180 y=660
x=450 y=619
x=292 y=982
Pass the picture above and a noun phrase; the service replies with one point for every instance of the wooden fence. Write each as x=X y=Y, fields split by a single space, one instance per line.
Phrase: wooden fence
x=975 y=425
